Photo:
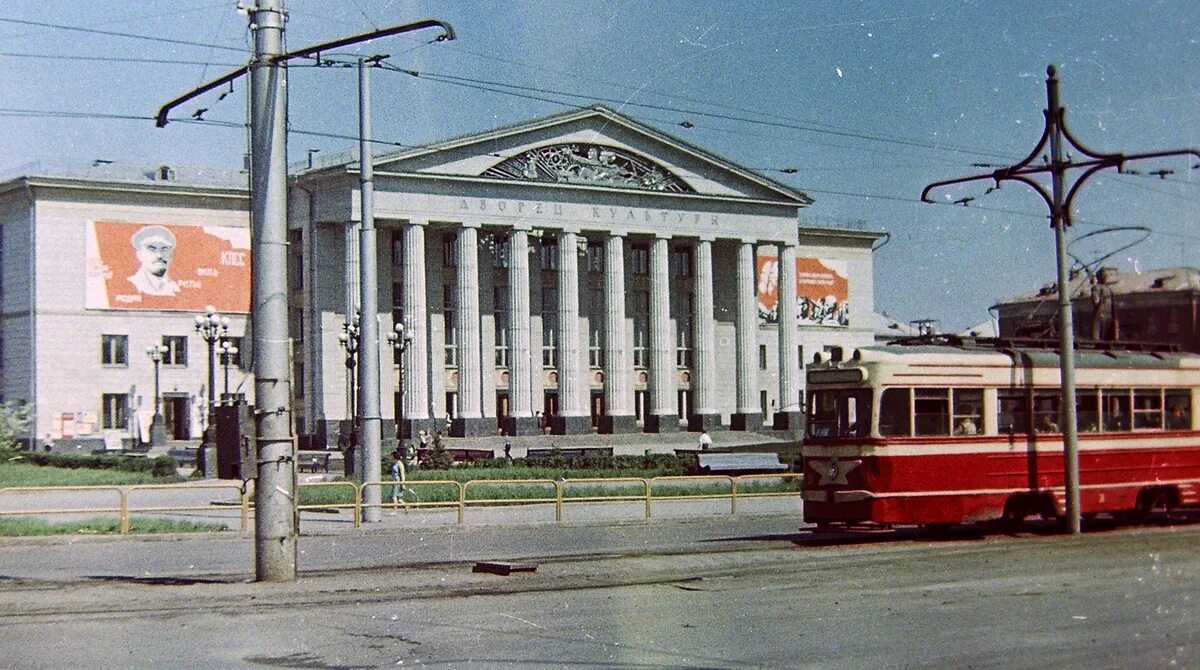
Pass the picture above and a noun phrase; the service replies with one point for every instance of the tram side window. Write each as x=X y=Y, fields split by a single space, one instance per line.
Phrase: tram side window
x=1046 y=411
x=967 y=406
x=1147 y=409
x=1179 y=410
x=1115 y=407
x=1087 y=411
x=1013 y=406
x=931 y=409
x=895 y=412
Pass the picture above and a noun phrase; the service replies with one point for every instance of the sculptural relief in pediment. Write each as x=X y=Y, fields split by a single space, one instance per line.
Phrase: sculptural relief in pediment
x=588 y=164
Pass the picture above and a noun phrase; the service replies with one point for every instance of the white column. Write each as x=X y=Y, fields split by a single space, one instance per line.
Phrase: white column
x=416 y=310
x=466 y=321
x=704 y=356
x=520 y=364
x=789 y=364
x=662 y=338
x=618 y=368
x=572 y=377
x=747 y=331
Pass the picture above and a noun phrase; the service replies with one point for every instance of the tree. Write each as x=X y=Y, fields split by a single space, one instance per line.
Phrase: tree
x=15 y=419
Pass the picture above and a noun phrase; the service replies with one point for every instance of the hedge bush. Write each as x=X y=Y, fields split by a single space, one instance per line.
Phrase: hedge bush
x=161 y=466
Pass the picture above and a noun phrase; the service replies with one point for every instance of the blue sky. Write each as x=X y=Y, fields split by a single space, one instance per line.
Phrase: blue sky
x=867 y=102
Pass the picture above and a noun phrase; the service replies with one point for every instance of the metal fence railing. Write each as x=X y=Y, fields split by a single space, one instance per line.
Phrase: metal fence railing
x=342 y=496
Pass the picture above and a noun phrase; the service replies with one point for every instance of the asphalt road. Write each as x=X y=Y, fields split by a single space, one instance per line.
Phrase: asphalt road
x=724 y=592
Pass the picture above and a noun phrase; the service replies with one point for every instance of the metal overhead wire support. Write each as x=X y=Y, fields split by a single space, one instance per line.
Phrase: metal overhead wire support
x=161 y=119
x=1056 y=165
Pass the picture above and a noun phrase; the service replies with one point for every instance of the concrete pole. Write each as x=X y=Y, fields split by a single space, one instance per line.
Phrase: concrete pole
x=1066 y=331
x=275 y=491
x=368 y=344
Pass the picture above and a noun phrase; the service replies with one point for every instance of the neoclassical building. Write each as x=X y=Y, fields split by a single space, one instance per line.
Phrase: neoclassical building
x=582 y=272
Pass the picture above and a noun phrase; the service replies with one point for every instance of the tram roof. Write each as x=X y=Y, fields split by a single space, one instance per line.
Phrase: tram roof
x=1032 y=353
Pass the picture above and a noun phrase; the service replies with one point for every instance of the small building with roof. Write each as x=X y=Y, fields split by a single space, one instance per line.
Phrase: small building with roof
x=1113 y=305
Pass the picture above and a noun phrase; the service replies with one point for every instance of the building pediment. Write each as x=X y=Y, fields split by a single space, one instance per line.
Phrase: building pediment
x=590 y=148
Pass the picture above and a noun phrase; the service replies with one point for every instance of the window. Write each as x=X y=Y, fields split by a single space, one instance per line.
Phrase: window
x=450 y=250
x=1046 y=411
x=895 y=412
x=1179 y=410
x=595 y=258
x=683 y=339
x=762 y=357
x=500 y=251
x=762 y=403
x=681 y=262
x=114 y=350
x=115 y=411
x=968 y=406
x=501 y=343
x=595 y=350
x=549 y=337
x=548 y=254
x=176 y=350
x=1013 y=407
x=500 y=319
x=1147 y=409
x=845 y=412
x=1115 y=409
x=641 y=342
x=639 y=256
x=931 y=411
x=1087 y=411
x=451 y=344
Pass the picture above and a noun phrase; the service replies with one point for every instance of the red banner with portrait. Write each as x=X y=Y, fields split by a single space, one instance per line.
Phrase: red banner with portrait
x=167 y=267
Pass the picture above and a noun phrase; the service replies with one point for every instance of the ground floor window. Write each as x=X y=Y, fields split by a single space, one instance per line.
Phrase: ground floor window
x=115 y=411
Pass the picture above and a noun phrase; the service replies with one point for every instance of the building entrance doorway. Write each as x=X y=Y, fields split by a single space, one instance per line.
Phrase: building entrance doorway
x=177 y=414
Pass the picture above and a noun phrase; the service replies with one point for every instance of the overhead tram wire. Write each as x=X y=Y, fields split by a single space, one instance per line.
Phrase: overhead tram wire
x=113 y=33
x=491 y=86
x=109 y=59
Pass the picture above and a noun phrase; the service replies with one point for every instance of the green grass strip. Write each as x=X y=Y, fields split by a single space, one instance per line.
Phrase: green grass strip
x=103 y=526
x=28 y=474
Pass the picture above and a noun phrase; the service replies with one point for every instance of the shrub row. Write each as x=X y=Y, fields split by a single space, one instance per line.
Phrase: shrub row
x=663 y=464
x=161 y=466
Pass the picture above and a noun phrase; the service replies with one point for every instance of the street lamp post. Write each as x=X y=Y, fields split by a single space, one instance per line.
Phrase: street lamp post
x=226 y=351
x=211 y=327
x=348 y=338
x=158 y=428
x=400 y=339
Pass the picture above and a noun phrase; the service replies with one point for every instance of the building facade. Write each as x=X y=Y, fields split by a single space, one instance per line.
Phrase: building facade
x=1160 y=306
x=97 y=267
x=576 y=273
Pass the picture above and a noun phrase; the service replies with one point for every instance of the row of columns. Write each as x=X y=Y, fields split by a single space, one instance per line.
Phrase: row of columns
x=573 y=374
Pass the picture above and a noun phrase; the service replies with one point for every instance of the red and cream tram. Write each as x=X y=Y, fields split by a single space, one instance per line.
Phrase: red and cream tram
x=948 y=430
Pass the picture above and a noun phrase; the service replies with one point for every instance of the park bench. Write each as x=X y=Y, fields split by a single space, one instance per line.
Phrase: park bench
x=740 y=463
x=313 y=462
x=571 y=452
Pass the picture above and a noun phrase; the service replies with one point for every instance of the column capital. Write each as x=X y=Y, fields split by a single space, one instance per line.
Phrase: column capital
x=522 y=225
x=707 y=238
x=660 y=235
x=470 y=224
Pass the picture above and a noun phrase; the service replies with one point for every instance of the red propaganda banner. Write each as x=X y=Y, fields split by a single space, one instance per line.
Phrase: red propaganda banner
x=822 y=291
x=167 y=267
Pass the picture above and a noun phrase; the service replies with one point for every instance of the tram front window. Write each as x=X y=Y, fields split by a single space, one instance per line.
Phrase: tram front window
x=839 y=413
